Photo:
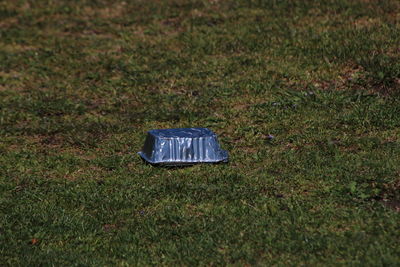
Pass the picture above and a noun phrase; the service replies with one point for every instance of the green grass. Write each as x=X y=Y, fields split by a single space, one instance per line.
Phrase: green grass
x=82 y=81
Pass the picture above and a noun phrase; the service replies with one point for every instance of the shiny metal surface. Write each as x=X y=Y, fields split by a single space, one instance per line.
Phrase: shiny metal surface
x=182 y=146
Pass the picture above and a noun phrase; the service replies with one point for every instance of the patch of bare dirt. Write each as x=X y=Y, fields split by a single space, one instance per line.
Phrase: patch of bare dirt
x=114 y=11
x=8 y=22
x=366 y=22
x=12 y=48
x=392 y=204
x=390 y=196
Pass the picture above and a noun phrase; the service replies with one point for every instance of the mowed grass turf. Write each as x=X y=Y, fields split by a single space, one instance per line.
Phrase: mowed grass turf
x=81 y=82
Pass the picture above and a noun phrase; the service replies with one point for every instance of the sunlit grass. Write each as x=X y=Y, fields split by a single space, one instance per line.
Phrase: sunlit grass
x=303 y=95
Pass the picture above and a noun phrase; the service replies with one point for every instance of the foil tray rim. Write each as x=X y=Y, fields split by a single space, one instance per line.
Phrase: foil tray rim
x=168 y=162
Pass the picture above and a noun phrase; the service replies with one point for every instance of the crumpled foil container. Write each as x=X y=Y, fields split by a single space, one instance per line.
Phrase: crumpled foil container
x=182 y=146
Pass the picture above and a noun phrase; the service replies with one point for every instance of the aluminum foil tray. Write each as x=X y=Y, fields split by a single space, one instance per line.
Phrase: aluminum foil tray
x=183 y=146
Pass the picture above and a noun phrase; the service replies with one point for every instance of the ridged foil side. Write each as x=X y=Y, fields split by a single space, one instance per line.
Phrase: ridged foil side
x=187 y=145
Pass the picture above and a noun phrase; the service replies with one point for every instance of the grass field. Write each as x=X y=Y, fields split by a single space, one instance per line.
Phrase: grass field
x=81 y=82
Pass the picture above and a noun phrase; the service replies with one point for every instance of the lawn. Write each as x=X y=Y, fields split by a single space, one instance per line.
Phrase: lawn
x=305 y=96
